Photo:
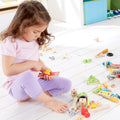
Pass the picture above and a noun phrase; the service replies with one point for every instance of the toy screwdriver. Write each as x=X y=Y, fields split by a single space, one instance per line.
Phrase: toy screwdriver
x=101 y=53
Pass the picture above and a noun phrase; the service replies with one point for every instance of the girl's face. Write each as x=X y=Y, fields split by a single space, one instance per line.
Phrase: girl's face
x=32 y=33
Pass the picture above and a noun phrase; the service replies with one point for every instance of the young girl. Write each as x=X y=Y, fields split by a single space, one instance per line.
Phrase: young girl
x=20 y=58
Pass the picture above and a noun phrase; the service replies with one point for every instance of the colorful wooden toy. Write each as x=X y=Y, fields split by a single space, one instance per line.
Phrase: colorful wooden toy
x=92 y=80
x=49 y=73
x=101 y=54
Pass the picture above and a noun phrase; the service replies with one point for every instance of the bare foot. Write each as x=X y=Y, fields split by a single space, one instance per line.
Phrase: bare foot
x=52 y=103
x=56 y=105
x=23 y=100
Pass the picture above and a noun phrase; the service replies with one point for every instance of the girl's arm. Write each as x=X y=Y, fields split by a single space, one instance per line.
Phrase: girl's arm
x=10 y=68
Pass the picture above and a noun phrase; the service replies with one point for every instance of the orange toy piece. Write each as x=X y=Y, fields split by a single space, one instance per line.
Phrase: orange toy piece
x=106 y=86
x=80 y=118
x=102 y=53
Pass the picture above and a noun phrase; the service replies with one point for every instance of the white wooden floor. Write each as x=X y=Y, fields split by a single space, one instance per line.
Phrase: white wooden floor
x=76 y=44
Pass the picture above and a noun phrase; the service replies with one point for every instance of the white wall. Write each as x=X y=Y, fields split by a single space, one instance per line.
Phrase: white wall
x=70 y=11
x=5 y=20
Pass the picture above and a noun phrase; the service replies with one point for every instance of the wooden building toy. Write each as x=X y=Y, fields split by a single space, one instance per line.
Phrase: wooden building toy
x=92 y=80
x=101 y=54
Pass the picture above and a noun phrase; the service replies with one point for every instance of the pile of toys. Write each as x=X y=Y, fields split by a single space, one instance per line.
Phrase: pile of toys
x=114 y=70
x=105 y=91
x=81 y=104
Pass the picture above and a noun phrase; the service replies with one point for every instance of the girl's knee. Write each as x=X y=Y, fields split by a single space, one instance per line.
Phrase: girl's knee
x=65 y=84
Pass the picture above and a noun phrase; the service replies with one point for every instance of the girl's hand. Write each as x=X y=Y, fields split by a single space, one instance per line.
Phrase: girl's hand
x=47 y=77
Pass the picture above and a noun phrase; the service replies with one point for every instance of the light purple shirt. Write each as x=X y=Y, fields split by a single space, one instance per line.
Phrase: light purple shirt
x=22 y=51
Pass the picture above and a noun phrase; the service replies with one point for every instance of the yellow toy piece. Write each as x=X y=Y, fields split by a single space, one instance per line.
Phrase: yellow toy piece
x=116 y=100
x=95 y=105
x=99 y=86
x=105 y=93
x=47 y=72
x=111 y=71
x=88 y=103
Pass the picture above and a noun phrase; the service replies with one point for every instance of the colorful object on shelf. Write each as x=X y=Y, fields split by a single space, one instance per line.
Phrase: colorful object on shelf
x=116 y=12
x=101 y=54
x=92 y=80
x=87 y=60
x=110 y=14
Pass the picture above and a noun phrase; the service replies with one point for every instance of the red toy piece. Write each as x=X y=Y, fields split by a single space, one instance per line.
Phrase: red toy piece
x=41 y=75
x=85 y=112
x=118 y=75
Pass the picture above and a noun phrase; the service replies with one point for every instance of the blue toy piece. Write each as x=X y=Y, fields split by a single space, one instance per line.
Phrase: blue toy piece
x=104 y=89
x=108 y=63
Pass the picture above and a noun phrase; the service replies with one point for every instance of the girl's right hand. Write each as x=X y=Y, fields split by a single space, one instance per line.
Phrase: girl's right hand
x=36 y=66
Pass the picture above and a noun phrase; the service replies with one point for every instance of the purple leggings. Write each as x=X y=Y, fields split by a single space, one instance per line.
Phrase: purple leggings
x=26 y=85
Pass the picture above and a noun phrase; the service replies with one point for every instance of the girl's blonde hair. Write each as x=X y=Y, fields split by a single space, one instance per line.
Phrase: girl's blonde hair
x=29 y=13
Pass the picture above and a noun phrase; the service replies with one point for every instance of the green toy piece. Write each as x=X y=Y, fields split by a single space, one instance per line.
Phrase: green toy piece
x=87 y=60
x=92 y=80
x=97 y=90
x=80 y=94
